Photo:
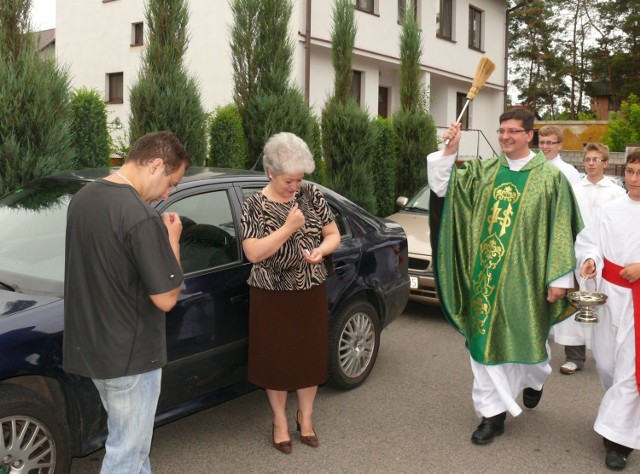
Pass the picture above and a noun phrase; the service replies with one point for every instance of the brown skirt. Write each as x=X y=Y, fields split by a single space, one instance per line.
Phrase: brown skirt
x=288 y=338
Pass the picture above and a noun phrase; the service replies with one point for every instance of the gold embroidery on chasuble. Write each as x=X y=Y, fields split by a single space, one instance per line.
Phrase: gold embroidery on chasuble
x=491 y=253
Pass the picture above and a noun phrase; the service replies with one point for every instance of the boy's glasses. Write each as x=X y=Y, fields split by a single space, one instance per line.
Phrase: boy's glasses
x=630 y=172
x=547 y=143
x=593 y=160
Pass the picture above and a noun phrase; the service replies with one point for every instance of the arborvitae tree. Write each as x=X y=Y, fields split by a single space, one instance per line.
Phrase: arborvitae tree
x=35 y=132
x=90 y=133
x=348 y=138
x=343 y=37
x=227 y=143
x=164 y=96
x=262 y=56
x=384 y=163
x=414 y=126
x=348 y=143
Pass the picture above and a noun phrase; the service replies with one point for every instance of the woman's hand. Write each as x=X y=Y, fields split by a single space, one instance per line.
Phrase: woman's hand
x=631 y=272
x=313 y=256
x=295 y=218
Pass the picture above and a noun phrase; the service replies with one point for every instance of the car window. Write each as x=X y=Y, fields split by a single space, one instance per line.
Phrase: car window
x=419 y=201
x=208 y=237
x=32 y=236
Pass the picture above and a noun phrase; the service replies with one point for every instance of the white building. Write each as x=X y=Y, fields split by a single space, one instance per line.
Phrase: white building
x=102 y=43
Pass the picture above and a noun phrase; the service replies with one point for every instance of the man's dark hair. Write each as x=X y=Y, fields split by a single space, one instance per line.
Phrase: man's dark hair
x=164 y=145
x=522 y=115
x=634 y=156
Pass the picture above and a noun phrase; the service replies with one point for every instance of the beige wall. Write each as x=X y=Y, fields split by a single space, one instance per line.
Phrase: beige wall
x=93 y=39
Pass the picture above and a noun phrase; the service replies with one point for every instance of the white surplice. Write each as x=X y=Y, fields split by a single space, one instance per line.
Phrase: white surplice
x=614 y=233
x=590 y=197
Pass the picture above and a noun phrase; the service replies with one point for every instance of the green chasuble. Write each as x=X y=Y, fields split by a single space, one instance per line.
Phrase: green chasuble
x=505 y=235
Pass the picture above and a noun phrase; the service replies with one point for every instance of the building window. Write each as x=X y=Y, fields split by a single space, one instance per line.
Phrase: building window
x=403 y=5
x=115 y=88
x=461 y=99
x=475 y=28
x=383 y=102
x=137 y=34
x=356 y=86
x=444 y=19
x=365 y=6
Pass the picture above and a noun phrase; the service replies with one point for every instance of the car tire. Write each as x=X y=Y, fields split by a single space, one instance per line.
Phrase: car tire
x=35 y=438
x=354 y=339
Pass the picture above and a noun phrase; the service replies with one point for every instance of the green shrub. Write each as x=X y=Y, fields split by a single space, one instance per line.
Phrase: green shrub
x=227 y=144
x=348 y=141
x=416 y=135
x=384 y=164
x=91 y=141
x=624 y=127
x=267 y=114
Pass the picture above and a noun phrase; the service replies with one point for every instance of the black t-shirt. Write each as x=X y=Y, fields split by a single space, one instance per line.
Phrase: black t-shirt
x=117 y=254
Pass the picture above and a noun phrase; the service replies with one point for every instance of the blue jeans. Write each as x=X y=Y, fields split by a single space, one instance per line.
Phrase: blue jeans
x=130 y=403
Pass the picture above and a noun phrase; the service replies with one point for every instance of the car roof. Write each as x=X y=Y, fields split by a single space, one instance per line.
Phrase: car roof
x=194 y=173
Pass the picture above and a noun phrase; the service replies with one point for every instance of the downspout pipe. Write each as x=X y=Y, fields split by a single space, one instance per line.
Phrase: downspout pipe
x=307 y=53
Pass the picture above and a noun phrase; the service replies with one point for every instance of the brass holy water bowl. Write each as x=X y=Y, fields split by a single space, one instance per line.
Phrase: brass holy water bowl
x=587 y=302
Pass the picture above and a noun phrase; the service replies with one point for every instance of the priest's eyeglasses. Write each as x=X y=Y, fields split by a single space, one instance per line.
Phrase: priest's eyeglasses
x=510 y=131
x=630 y=172
x=593 y=160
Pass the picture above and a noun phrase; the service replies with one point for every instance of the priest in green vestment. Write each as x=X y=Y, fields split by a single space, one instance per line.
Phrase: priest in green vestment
x=505 y=259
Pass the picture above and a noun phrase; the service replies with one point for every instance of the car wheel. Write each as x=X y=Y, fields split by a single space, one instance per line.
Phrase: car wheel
x=354 y=339
x=34 y=439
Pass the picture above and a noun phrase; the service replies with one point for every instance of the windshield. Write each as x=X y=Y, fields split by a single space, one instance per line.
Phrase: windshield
x=32 y=236
x=420 y=201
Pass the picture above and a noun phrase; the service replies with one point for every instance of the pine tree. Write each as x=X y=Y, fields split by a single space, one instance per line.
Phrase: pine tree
x=35 y=128
x=164 y=96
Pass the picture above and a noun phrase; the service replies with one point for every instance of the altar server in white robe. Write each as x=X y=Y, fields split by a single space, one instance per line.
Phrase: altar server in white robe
x=608 y=249
x=594 y=190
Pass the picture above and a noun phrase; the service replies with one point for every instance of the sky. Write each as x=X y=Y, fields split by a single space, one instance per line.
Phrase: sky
x=43 y=14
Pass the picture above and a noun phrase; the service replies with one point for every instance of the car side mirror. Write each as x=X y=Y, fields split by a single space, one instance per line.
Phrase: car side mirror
x=402 y=201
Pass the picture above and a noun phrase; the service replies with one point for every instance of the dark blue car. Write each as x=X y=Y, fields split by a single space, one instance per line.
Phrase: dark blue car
x=48 y=415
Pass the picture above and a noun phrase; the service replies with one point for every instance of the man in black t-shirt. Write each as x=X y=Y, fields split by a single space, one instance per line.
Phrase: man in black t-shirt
x=122 y=274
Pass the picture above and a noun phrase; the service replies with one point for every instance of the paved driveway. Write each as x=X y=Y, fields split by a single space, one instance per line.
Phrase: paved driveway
x=413 y=415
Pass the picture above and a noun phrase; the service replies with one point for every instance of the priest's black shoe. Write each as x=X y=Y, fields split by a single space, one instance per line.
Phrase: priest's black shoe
x=617 y=455
x=531 y=397
x=489 y=428
x=616 y=461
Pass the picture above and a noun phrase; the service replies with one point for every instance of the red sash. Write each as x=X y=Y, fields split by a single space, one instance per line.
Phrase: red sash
x=611 y=273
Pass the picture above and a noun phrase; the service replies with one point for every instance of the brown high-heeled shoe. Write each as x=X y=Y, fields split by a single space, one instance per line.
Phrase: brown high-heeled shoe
x=284 y=446
x=312 y=440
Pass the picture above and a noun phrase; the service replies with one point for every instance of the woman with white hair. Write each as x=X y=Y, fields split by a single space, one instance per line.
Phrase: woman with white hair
x=287 y=230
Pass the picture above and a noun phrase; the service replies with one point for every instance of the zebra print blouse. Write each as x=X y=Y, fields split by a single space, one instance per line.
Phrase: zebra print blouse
x=287 y=269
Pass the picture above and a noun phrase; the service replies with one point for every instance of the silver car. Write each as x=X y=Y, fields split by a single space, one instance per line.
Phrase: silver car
x=413 y=216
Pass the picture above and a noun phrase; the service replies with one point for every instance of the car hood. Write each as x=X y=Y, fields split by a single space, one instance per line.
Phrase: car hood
x=12 y=302
x=416 y=226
